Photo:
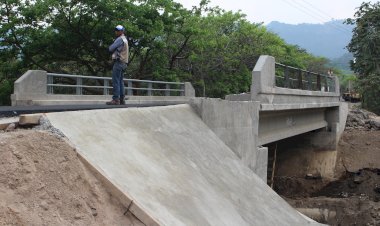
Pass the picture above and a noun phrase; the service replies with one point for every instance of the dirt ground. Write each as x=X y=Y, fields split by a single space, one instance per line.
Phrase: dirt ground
x=43 y=182
x=353 y=198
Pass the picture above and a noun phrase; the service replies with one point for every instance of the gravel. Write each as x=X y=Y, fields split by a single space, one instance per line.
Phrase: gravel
x=46 y=125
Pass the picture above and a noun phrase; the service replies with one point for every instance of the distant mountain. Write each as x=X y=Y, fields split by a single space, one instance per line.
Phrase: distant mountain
x=328 y=40
x=343 y=63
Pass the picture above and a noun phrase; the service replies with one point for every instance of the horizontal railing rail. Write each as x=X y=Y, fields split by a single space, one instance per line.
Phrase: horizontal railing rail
x=82 y=85
x=296 y=78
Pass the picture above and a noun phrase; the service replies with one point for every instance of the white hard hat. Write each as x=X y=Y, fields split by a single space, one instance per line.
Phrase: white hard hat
x=119 y=28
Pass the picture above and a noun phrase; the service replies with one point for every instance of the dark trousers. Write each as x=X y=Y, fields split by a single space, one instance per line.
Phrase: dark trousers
x=117 y=80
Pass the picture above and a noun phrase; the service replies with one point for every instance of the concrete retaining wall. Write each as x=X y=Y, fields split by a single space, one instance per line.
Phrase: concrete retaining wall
x=236 y=124
x=173 y=167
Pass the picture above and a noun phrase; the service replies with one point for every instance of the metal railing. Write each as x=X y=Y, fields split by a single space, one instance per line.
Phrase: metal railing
x=93 y=85
x=296 y=78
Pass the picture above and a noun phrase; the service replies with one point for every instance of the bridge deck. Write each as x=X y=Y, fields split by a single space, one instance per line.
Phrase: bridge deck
x=10 y=111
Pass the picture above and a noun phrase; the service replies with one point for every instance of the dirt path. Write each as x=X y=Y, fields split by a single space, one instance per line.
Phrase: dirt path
x=42 y=182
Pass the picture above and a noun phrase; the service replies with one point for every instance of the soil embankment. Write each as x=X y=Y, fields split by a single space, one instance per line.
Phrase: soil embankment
x=43 y=182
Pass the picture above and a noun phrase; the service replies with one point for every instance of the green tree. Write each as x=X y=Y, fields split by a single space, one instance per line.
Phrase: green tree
x=365 y=47
x=214 y=49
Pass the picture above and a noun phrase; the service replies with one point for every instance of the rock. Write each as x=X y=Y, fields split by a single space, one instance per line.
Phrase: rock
x=17 y=154
x=5 y=122
x=362 y=119
x=358 y=179
x=78 y=216
x=44 y=124
x=11 y=127
x=313 y=176
x=377 y=189
x=344 y=194
x=63 y=159
x=30 y=120
x=44 y=205
x=375 y=124
x=94 y=212
x=42 y=186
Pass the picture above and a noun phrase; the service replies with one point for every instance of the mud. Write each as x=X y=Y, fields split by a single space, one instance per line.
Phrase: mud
x=352 y=198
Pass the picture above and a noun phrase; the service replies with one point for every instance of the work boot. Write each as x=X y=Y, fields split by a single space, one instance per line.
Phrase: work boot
x=113 y=102
x=123 y=99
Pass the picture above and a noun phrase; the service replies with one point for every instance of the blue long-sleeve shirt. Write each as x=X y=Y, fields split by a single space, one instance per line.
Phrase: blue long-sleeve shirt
x=117 y=44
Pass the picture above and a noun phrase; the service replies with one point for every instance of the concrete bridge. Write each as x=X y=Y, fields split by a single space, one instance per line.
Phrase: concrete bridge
x=177 y=140
x=246 y=123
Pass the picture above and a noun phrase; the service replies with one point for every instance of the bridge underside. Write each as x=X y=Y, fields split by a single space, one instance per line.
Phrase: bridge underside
x=278 y=125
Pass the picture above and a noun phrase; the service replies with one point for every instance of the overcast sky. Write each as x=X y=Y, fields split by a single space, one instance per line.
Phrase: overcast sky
x=287 y=11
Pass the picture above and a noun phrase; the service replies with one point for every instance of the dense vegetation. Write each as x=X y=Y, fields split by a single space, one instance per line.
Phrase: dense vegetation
x=365 y=46
x=213 y=49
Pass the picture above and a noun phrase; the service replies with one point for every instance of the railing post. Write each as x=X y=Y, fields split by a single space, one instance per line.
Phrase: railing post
x=309 y=81
x=286 y=75
x=300 y=79
x=79 y=86
x=130 y=91
x=326 y=84
x=333 y=85
x=182 y=87
x=336 y=84
x=50 y=80
x=105 y=89
x=319 y=82
x=167 y=91
x=149 y=89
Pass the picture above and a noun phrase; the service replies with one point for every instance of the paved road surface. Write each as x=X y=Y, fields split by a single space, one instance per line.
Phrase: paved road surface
x=10 y=111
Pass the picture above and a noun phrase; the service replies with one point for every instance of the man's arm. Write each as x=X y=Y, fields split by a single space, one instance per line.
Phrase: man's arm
x=117 y=43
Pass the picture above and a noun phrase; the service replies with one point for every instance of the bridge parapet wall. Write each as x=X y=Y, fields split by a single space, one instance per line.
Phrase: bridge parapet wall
x=37 y=87
x=273 y=97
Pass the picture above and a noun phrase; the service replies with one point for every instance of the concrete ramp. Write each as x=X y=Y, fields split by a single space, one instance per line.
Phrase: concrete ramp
x=173 y=167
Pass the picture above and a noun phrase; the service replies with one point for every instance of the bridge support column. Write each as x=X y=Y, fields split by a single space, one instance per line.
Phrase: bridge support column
x=314 y=152
x=306 y=154
x=236 y=124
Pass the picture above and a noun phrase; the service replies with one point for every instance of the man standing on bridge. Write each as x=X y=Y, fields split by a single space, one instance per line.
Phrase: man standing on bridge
x=120 y=55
